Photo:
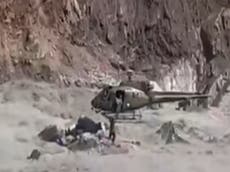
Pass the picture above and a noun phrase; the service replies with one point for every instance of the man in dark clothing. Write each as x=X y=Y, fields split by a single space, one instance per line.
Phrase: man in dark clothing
x=112 y=134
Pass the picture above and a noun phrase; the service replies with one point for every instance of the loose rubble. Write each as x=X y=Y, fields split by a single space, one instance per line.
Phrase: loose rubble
x=84 y=135
x=168 y=133
x=84 y=142
x=49 y=134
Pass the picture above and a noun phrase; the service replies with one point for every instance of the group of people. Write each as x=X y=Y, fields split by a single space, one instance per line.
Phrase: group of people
x=87 y=125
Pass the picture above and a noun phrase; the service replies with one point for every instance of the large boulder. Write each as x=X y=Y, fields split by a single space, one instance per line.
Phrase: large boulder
x=84 y=125
x=49 y=134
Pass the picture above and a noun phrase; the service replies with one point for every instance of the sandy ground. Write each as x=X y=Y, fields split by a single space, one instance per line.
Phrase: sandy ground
x=27 y=107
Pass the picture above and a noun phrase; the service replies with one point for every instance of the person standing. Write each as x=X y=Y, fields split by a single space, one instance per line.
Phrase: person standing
x=119 y=102
x=112 y=133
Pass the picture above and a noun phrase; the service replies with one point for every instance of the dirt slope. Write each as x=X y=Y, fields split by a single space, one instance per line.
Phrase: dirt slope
x=27 y=107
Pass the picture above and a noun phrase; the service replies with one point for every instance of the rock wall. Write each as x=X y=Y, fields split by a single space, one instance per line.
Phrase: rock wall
x=178 y=43
x=181 y=77
x=173 y=42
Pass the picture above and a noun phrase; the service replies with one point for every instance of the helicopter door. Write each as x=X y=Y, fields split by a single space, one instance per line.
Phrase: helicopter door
x=120 y=96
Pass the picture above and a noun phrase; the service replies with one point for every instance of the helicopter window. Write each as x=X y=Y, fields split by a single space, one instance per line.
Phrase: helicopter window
x=135 y=94
x=106 y=92
x=109 y=97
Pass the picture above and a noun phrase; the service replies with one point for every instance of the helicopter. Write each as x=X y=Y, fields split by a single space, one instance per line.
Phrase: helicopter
x=135 y=98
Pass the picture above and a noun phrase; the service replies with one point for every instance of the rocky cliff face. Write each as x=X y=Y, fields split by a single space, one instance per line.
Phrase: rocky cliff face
x=178 y=43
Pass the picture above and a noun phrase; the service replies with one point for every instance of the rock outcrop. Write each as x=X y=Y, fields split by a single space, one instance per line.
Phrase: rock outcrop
x=179 y=43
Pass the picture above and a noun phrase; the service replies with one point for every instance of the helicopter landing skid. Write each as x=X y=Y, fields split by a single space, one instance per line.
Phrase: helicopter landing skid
x=122 y=116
